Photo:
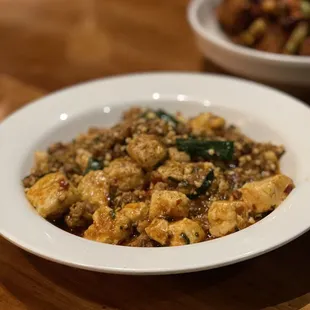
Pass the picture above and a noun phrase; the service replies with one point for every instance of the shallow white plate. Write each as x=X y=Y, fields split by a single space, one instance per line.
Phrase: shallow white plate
x=215 y=45
x=261 y=112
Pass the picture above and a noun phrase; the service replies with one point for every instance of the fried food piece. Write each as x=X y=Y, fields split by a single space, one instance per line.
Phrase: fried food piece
x=169 y=204
x=109 y=226
x=234 y=15
x=226 y=217
x=184 y=171
x=185 y=231
x=94 y=188
x=158 y=230
x=265 y=195
x=146 y=150
x=172 y=169
x=124 y=174
x=52 y=195
x=136 y=212
x=206 y=123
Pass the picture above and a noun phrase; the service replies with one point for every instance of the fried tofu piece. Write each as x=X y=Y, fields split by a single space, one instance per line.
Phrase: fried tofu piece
x=146 y=150
x=226 y=217
x=184 y=171
x=172 y=169
x=158 y=230
x=206 y=123
x=169 y=204
x=142 y=225
x=52 y=195
x=94 y=188
x=109 y=226
x=265 y=195
x=176 y=155
x=125 y=174
x=136 y=211
x=185 y=231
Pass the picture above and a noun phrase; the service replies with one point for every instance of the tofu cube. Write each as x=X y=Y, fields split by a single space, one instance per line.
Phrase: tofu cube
x=109 y=226
x=52 y=195
x=169 y=204
x=94 y=188
x=146 y=150
x=185 y=231
x=226 y=217
x=265 y=195
x=136 y=212
x=158 y=231
x=125 y=174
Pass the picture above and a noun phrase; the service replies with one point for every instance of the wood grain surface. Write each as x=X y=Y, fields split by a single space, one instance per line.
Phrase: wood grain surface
x=49 y=44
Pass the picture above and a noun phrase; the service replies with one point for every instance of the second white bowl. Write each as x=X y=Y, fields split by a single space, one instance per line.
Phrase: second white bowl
x=215 y=45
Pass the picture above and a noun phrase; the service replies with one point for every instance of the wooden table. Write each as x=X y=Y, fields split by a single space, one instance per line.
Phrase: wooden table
x=49 y=44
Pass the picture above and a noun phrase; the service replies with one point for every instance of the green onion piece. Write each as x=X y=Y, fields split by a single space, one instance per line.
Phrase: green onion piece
x=113 y=214
x=296 y=38
x=172 y=179
x=222 y=150
x=254 y=32
x=97 y=139
x=162 y=115
x=204 y=186
x=93 y=165
x=305 y=8
x=144 y=114
x=166 y=117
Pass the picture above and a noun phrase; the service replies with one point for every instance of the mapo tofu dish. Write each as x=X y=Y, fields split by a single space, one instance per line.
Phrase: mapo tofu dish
x=156 y=179
x=276 y=26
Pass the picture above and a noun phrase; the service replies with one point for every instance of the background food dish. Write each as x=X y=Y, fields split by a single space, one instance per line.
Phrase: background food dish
x=215 y=45
x=194 y=93
x=268 y=25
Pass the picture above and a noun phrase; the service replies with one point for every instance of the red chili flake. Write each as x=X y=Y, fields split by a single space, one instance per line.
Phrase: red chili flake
x=236 y=195
x=240 y=210
x=288 y=189
x=178 y=201
x=64 y=184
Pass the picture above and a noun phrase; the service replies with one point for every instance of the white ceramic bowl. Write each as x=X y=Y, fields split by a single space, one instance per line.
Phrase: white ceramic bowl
x=251 y=63
x=262 y=113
